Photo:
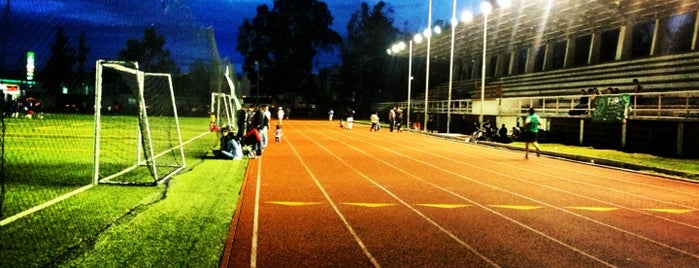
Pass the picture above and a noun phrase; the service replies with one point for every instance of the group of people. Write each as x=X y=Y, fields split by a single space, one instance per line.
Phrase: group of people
x=528 y=133
x=253 y=127
x=395 y=119
x=26 y=107
x=587 y=100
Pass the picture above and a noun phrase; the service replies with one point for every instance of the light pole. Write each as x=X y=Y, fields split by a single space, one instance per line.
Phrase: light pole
x=451 y=64
x=428 y=35
x=410 y=77
x=485 y=9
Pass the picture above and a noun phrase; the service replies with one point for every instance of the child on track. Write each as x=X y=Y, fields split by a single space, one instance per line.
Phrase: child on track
x=278 y=134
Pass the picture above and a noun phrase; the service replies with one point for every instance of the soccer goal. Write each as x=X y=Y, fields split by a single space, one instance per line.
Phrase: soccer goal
x=137 y=131
x=225 y=105
x=222 y=107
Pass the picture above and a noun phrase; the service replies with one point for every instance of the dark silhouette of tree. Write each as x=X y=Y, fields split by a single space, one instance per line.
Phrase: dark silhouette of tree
x=365 y=62
x=199 y=77
x=149 y=53
x=81 y=58
x=58 y=71
x=284 y=41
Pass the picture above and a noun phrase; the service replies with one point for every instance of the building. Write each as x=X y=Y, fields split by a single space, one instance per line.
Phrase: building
x=543 y=53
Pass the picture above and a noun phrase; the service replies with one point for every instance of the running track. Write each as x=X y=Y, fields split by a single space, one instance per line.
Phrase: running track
x=326 y=197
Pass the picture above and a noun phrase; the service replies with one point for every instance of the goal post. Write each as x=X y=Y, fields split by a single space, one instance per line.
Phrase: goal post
x=137 y=130
x=224 y=105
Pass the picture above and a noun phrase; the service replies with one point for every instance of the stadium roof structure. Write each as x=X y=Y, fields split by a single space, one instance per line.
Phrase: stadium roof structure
x=529 y=23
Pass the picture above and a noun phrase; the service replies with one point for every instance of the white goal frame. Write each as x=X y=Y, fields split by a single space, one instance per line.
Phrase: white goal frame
x=142 y=131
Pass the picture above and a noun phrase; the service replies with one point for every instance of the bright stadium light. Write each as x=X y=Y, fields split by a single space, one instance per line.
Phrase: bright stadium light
x=417 y=38
x=467 y=16
x=427 y=33
x=504 y=3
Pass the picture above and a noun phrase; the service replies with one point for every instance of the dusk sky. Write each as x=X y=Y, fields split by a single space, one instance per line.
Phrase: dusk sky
x=109 y=24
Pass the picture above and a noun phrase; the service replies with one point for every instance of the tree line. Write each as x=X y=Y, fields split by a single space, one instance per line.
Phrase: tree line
x=280 y=46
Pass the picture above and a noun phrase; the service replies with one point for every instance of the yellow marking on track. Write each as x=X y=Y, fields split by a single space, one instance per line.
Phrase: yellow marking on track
x=669 y=210
x=449 y=206
x=293 y=204
x=517 y=207
x=370 y=205
x=599 y=209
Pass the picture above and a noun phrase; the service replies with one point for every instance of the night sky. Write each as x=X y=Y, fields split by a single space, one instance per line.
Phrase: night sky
x=108 y=24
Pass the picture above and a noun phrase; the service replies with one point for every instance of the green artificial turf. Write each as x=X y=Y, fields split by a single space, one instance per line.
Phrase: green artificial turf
x=688 y=166
x=182 y=223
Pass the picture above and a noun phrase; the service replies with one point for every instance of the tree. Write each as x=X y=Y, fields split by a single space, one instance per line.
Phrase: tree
x=284 y=41
x=150 y=54
x=81 y=57
x=365 y=63
x=58 y=71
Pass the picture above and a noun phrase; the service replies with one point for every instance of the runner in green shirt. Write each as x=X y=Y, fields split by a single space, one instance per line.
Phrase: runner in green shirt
x=531 y=132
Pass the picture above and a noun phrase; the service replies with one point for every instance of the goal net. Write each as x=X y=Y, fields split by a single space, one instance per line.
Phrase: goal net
x=137 y=132
x=224 y=105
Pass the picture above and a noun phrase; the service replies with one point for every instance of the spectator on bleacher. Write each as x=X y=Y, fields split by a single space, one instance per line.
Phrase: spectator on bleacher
x=608 y=91
x=637 y=87
x=581 y=107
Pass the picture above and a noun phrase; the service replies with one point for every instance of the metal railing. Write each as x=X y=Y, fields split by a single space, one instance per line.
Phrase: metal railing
x=670 y=105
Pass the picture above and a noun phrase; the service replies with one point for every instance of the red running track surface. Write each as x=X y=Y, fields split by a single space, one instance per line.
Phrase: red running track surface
x=326 y=197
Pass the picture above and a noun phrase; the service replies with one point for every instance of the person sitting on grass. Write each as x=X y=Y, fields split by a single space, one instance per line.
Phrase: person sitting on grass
x=229 y=148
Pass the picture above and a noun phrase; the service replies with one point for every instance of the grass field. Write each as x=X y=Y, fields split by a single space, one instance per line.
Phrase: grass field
x=49 y=158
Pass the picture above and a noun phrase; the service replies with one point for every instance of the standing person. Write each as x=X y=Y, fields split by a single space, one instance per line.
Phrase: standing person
x=212 y=122
x=259 y=122
x=278 y=134
x=531 y=132
x=242 y=121
x=374 y=118
x=350 y=118
x=399 y=119
x=266 y=116
x=280 y=114
x=252 y=137
x=392 y=118
x=330 y=114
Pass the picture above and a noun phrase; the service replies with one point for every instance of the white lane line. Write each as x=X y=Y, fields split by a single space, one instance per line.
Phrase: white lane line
x=334 y=206
x=591 y=185
x=619 y=229
x=485 y=207
x=256 y=216
x=406 y=204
